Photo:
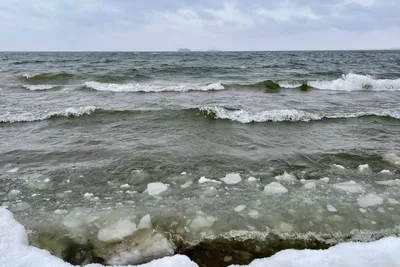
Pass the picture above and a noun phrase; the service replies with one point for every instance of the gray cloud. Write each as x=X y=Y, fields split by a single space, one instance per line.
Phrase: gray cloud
x=228 y=25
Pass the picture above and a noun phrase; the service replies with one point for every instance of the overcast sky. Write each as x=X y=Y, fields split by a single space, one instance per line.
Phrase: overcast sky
x=153 y=25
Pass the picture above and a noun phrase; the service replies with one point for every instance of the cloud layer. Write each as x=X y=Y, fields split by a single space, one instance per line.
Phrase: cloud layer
x=170 y=24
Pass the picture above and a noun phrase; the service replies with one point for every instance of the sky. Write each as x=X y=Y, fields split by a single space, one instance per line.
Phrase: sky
x=167 y=25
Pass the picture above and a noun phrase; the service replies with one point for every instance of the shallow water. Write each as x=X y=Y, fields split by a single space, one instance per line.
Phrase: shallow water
x=240 y=164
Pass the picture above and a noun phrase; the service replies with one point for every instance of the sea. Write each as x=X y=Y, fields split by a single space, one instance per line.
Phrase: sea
x=127 y=157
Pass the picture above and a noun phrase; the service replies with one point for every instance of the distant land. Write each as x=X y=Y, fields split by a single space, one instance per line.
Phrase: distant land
x=184 y=50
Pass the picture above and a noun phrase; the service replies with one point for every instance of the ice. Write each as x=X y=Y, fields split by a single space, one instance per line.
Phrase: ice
x=14 y=170
x=275 y=188
x=240 y=208
x=285 y=177
x=331 y=208
x=363 y=168
x=339 y=166
x=254 y=214
x=14 y=193
x=125 y=186
x=187 y=184
x=145 y=222
x=393 y=201
x=392 y=158
x=325 y=179
x=47 y=180
x=310 y=186
x=252 y=179
x=389 y=182
x=183 y=173
x=381 y=210
x=203 y=180
x=117 y=231
x=60 y=212
x=156 y=188
x=232 y=178
x=201 y=223
x=350 y=187
x=88 y=196
x=385 y=172
x=369 y=200
x=362 y=210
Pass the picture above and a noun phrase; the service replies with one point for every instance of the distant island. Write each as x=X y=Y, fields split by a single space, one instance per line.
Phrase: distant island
x=184 y=50
x=213 y=50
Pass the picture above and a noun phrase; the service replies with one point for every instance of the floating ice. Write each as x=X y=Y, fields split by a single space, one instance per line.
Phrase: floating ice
x=125 y=186
x=14 y=170
x=187 y=184
x=254 y=214
x=363 y=168
x=240 y=208
x=252 y=179
x=232 y=178
x=183 y=173
x=310 y=186
x=392 y=158
x=88 y=196
x=14 y=193
x=203 y=180
x=325 y=179
x=275 y=188
x=369 y=200
x=145 y=222
x=285 y=177
x=201 y=223
x=156 y=188
x=362 y=210
x=385 y=172
x=350 y=187
x=117 y=231
x=331 y=208
x=60 y=212
x=393 y=201
x=339 y=166
x=395 y=182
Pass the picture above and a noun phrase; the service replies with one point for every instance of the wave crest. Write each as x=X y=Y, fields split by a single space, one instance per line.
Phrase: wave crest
x=70 y=112
x=147 y=88
x=243 y=116
x=47 y=77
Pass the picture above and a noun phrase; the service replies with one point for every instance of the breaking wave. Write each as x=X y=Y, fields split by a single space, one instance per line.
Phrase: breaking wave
x=289 y=115
x=47 y=77
x=30 y=117
x=147 y=88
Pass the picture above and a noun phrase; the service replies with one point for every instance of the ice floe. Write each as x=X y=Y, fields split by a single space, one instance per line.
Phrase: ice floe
x=156 y=188
x=275 y=188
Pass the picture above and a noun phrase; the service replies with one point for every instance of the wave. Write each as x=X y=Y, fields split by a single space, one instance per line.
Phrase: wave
x=132 y=87
x=348 y=82
x=40 y=87
x=70 y=112
x=287 y=115
x=47 y=77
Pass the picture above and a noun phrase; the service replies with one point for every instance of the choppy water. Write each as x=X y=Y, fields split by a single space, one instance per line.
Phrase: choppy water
x=83 y=134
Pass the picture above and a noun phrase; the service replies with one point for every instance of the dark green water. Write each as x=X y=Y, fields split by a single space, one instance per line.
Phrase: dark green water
x=83 y=134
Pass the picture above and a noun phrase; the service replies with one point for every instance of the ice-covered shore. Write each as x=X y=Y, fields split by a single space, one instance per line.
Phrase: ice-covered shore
x=16 y=251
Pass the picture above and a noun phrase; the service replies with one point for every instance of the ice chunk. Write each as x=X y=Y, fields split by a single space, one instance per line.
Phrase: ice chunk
x=285 y=177
x=325 y=179
x=369 y=200
x=47 y=180
x=310 y=186
x=201 y=223
x=203 y=180
x=232 y=178
x=389 y=182
x=187 y=184
x=60 y=212
x=393 y=201
x=252 y=179
x=88 y=196
x=125 y=186
x=145 y=222
x=275 y=188
x=392 y=158
x=117 y=231
x=362 y=210
x=350 y=187
x=14 y=193
x=183 y=173
x=385 y=172
x=14 y=170
x=339 y=166
x=331 y=208
x=363 y=168
x=240 y=208
x=254 y=214
x=156 y=188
